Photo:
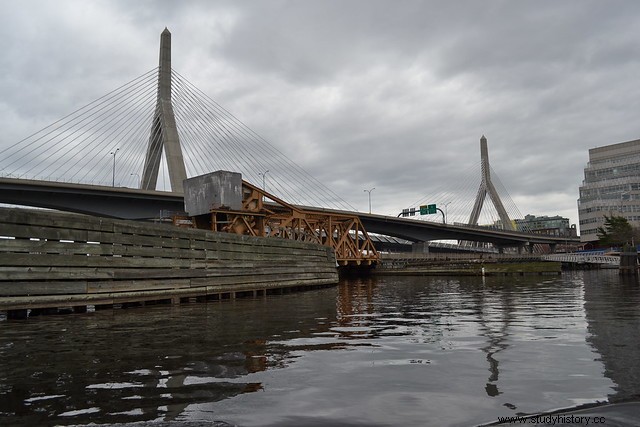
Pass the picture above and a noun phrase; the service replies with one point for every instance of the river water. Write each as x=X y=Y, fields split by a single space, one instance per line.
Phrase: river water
x=388 y=351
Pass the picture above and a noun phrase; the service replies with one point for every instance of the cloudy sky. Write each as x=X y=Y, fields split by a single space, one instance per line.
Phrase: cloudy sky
x=393 y=94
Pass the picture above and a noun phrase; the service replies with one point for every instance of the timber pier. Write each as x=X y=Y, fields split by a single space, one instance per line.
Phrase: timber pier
x=51 y=260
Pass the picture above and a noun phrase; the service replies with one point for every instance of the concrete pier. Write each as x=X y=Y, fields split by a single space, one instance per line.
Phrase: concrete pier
x=629 y=262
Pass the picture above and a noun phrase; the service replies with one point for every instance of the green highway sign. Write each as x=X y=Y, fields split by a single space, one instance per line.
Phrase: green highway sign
x=427 y=209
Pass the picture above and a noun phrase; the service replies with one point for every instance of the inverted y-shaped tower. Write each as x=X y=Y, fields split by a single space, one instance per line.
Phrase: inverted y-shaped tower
x=486 y=186
x=164 y=133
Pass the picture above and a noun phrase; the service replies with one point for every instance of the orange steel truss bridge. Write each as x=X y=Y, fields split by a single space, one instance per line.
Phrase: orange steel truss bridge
x=277 y=218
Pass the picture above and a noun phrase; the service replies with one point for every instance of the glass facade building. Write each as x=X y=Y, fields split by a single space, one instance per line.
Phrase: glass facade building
x=611 y=186
x=551 y=225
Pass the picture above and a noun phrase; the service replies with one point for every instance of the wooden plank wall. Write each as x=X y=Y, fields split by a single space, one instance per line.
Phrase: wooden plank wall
x=52 y=257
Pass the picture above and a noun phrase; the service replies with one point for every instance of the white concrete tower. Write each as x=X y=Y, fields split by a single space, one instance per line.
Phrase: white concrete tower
x=486 y=186
x=164 y=133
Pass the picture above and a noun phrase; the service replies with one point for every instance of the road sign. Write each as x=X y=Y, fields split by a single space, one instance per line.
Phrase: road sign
x=427 y=209
x=408 y=212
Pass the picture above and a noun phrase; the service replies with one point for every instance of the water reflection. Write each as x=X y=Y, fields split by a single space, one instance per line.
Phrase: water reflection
x=612 y=307
x=505 y=312
x=387 y=351
x=496 y=340
x=142 y=364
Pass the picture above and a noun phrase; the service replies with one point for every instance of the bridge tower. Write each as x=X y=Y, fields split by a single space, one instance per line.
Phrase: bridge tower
x=486 y=186
x=164 y=133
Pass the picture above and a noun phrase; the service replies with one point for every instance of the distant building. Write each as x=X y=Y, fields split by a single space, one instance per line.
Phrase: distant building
x=611 y=186
x=549 y=225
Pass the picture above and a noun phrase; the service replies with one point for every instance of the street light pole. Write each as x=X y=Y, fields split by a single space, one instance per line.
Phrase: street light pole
x=138 y=178
x=445 y=211
x=113 y=153
x=263 y=174
x=369 y=191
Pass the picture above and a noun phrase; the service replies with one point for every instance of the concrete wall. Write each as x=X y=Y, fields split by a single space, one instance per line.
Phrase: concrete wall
x=215 y=190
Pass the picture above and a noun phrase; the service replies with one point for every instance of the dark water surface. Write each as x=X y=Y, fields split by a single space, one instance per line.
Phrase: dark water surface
x=412 y=351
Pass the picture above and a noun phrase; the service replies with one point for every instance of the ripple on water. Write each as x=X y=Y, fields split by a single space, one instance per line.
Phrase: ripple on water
x=395 y=351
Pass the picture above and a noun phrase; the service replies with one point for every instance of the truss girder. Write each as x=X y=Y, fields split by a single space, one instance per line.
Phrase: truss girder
x=342 y=232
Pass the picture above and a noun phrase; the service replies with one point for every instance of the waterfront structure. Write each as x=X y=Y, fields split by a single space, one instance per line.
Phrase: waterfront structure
x=611 y=186
x=549 y=225
x=57 y=259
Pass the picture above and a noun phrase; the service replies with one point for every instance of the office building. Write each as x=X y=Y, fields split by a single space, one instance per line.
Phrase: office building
x=611 y=186
x=548 y=225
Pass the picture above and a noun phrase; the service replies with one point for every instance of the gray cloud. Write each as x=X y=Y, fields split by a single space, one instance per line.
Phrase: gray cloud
x=360 y=93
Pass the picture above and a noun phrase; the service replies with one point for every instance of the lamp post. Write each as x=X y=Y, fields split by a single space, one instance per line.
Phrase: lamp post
x=263 y=175
x=113 y=153
x=445 y=211
x=369 y=191
x=138 y=178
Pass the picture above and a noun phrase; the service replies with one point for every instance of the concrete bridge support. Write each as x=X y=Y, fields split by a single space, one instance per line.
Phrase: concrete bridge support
x=526 y=248
x=420 y=248
x=629 y=261
x=487 y=187
x=164 y=132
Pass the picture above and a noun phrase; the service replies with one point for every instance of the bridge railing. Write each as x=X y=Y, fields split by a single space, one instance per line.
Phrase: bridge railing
x=583 y=259
x=458 y=256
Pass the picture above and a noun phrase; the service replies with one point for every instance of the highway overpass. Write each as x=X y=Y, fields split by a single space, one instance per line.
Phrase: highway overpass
x=129 y=203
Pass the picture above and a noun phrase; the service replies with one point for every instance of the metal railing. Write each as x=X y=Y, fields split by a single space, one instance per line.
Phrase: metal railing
x=583 y=259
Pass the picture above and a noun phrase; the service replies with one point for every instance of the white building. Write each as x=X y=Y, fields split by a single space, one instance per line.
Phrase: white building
x=611 y=186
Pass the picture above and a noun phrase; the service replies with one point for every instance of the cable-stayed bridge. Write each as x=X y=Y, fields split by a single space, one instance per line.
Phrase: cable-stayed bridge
x=152 y=133
x=161 y=126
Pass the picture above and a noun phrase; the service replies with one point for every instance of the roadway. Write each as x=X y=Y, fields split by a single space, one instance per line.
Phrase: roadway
x=423 y=231
x=113 y=202
x=130 y=203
